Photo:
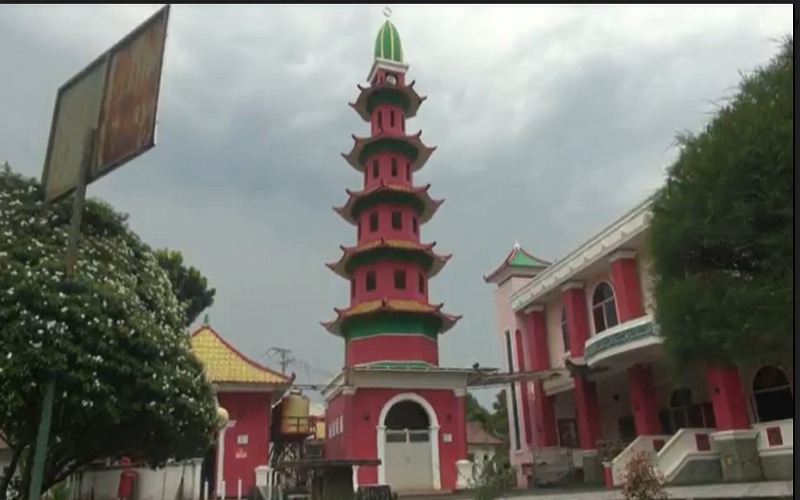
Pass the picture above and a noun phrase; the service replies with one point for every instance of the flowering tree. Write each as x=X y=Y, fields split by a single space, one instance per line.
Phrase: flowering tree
x=112 y=336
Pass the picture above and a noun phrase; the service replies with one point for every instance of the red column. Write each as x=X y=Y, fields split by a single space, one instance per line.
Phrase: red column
x=588 y=413
x=644 y=400
x=523 y=389
x=585 y=391
x=544 y=416
x=461 y=427
x=627 y=289
x=727 y=398
x=628 y=294
x=577 y=320
x=538 y=354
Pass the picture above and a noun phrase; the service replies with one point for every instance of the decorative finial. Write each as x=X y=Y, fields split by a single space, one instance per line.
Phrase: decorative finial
x=205 y=320
x=387 y=12
x=516 y=244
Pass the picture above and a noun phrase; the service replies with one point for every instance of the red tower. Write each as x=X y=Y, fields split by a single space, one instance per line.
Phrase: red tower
x=392 y=400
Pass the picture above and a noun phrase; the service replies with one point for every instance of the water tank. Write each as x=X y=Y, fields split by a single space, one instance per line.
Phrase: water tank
x=295 y=415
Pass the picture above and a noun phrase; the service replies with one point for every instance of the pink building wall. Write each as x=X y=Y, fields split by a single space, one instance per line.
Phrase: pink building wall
x=507 y=320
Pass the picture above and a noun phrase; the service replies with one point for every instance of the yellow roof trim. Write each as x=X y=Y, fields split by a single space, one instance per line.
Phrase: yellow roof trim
x=225 y=365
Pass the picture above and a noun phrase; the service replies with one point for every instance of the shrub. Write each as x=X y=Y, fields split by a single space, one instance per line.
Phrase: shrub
x=642 y=480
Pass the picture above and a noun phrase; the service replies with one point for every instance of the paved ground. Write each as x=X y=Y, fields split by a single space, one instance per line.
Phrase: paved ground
x=766 y=489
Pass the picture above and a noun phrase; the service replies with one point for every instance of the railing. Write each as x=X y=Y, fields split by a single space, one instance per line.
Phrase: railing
x=648 y=444
x=684 y=444
x=775 y=437
x=624 y=333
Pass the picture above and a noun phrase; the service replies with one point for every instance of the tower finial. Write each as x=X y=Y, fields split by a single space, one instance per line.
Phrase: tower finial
x=516 y=244
x=387 y=12
x=205 y=320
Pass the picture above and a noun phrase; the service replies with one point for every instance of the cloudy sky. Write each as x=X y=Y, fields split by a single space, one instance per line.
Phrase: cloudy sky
x=549 y=122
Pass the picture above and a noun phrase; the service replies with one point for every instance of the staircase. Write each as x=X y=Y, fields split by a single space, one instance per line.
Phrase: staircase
x=553 y=466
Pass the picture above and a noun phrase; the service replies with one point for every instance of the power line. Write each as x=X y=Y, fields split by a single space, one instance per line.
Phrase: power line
x=285 y=357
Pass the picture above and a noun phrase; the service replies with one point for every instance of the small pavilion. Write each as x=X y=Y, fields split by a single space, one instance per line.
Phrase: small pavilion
x=246 y=392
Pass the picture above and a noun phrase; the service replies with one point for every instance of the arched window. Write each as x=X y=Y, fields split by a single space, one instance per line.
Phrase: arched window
x=604 y=308
x=684 y=412
x=772 y=395
x=564 y=329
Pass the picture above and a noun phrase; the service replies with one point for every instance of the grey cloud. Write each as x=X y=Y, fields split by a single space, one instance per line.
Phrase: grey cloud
x=545 y=140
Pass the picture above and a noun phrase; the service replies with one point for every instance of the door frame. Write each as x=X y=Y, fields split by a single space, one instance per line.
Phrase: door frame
x=433 y=431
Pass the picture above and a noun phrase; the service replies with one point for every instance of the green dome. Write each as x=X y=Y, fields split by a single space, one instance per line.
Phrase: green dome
x=387 y=44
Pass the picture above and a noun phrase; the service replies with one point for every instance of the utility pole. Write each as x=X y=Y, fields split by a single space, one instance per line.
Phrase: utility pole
x=285 y=357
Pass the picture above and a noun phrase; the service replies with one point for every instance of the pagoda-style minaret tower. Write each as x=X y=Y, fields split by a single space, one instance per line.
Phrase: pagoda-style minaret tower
x=392 y=401
x=390 y=319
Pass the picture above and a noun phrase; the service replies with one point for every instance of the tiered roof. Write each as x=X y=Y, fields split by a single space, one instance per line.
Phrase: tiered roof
x=357 y=201
x=351 y=255
x=390 y=306
x=389 y=89
x=410 y=146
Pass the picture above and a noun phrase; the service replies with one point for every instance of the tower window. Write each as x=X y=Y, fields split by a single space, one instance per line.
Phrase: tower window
x=397 y=221
x=352 y=289
x=394 y=167
x=408 y=171
x=402 y=124
x=414 y=224
x=400 y=279
x=375 y=169
x=373 y=222
x=391 y=118
x=372 y=282
x=380 y=121
x=421 y=283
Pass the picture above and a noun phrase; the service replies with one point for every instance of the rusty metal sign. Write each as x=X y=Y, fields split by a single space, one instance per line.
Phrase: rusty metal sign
x=117 y=96
x=128 y=120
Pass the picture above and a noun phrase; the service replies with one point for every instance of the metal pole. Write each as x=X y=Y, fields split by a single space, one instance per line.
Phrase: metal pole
x=71 y=257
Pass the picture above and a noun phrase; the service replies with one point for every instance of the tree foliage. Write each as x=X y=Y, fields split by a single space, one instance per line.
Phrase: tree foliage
x=112 y=337
x=496 y=421
x=188 y=283
x=475 y=411
x=721 y=235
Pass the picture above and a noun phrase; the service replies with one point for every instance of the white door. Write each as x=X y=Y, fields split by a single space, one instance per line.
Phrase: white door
x=408 y=460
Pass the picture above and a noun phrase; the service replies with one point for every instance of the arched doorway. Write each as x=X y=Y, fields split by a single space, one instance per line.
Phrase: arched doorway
x=408 y=444
x=772 y=395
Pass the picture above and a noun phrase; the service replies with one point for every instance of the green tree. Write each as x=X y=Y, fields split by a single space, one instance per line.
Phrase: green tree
x=497 y=421
x=475 y=411
x=189 y=284
x=112 y=336
x=721 y=236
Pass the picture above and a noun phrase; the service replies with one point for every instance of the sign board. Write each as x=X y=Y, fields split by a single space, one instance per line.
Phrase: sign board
x=117 y=96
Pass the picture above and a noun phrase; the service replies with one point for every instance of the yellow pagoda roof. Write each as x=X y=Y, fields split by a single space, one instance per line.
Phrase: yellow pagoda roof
x=224 y=364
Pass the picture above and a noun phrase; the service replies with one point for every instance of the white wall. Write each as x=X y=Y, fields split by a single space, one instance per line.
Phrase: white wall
x=481 y=453
x=159 y=484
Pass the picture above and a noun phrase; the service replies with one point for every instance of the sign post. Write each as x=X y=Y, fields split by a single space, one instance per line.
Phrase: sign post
x=112 y=107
